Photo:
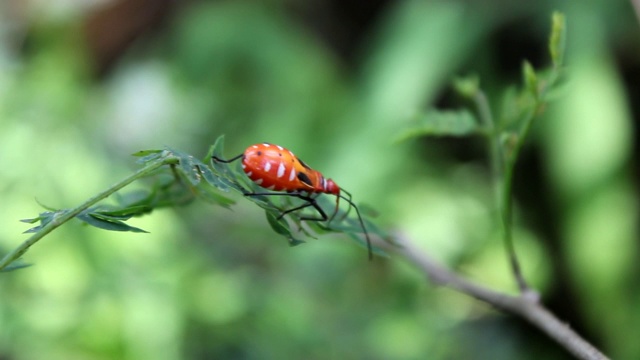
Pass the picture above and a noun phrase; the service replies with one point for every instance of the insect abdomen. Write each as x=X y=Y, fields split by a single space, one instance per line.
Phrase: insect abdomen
x=270 y=166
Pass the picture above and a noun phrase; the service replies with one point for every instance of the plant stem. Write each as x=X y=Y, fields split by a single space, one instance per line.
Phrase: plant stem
x=70 y=214
x=502 y=172
x=506 y=218
x=523 y=306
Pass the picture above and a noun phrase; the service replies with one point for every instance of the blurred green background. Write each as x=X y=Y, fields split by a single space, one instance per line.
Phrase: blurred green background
x=83 y=84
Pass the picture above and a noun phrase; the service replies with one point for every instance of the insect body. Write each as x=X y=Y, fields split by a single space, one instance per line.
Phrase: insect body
x=278 y=169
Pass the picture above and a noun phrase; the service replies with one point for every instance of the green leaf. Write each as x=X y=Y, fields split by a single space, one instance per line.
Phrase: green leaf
x=15 y=265
x=134 y=198
x=146 y=156
x=444 y=123
x=124 y=213
x=143 y=153
x=46 y=207
x=217 y=150
x=557 y=39
x=468 y=86
x=530 y=79
x=212 y=179
x=187 y=167
x=281 y=227
x=106 y=222
x=230 y=176
x=44 y=218
x=212 y=196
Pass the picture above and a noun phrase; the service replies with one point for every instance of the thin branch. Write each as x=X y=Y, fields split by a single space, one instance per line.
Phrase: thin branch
x=526 y=306
x=506 y=221
x=16 y=253
x=501 y=171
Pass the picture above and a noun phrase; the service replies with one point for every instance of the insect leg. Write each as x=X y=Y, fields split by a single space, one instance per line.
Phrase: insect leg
x=309 y=202
x=215 y=158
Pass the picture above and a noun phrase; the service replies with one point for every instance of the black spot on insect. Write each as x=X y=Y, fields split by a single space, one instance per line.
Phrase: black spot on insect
x=280 y=154
x=259 y=153
x=305 y=165
x=304 y=178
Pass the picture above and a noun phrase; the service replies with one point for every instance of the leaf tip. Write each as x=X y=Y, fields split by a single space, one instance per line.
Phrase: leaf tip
x=557 y=38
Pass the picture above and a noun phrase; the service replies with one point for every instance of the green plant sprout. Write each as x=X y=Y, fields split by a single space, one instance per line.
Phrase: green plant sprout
x=179 y=179
x=506 y=134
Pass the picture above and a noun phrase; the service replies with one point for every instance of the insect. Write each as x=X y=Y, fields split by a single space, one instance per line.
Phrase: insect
x=279 y=170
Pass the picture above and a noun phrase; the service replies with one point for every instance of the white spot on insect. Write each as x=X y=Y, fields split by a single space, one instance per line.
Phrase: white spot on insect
x=267 y=166
x=266 y=145
x=292 y=175
x=255 y=146
x=280 y=147
x=244 y=166
x=271 y=187
x=280 y=170
x=249 y=174
x=259 y=181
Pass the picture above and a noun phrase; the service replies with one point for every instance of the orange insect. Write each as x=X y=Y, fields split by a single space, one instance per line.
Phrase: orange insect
x=278 y=169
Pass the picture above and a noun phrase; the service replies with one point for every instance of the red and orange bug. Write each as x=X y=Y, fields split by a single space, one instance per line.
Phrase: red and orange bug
x=278 y=169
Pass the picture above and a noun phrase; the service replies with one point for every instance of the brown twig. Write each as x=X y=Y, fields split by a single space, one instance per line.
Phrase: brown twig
x=526 y=305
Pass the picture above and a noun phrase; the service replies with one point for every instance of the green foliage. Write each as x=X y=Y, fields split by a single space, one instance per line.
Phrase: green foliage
x=557 y=39
x=15 y=265
x=505 y=135
x=445 y=123
x=265 y=73
x=520 y=107
x=180 y=181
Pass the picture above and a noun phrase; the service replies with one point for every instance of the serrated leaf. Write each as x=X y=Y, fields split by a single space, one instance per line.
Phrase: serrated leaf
x=211 y=179
x=187 y=167
x=103 y=222
x=281 y=227
x=444 y=123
